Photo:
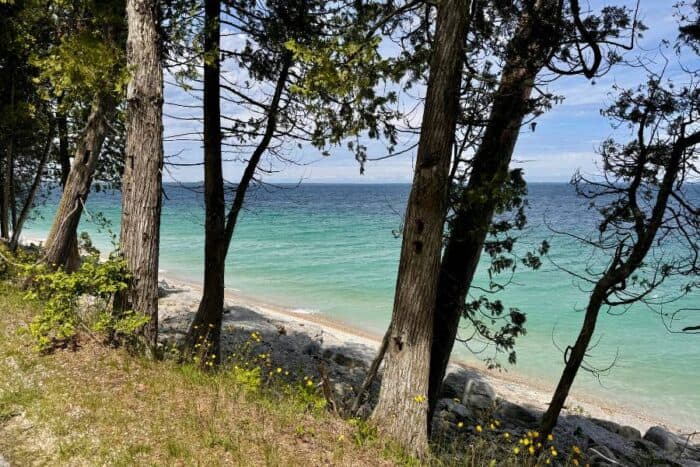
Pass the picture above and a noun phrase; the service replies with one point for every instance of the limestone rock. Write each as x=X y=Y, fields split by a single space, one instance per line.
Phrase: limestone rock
x=662 y=438
x=453 y=385
x=479 y=395
x=515 y=413
x=626 y=432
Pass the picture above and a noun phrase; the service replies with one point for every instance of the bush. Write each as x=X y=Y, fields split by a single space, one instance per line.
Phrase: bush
x=81 y=300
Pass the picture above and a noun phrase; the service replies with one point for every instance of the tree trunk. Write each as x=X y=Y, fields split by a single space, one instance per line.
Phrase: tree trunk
x=73 y=261
x=475 y=207
x=77 y=188
x=205 y=329
x=209 y=315
x=63 y=156
x=402 y=407
x=36 y=183
x=574 y=361
x=142 y=180
x=7 y=210
x=4 y=226
x=619 y=272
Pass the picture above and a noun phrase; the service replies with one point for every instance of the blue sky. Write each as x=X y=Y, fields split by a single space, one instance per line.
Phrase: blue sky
x=565 y=138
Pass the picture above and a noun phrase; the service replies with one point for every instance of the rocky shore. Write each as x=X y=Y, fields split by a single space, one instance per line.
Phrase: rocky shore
x=313 y=345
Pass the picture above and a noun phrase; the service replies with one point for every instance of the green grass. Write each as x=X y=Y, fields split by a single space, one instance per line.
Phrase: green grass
x=97 y=405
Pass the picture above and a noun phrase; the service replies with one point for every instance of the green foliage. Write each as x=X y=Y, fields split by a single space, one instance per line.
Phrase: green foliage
x=79 y=301
x=89 y=59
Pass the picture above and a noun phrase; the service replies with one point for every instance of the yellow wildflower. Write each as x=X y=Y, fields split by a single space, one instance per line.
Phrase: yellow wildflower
x=516 y=449
x=550 y=437
x=460 y=425
x=478 y=429
x=576 y=449
x=531 y=450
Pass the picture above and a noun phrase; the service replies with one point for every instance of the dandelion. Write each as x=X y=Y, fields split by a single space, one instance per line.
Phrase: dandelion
x=531 y=450
x=309 y=383
x=516 y=450
x=479 y=429
x=279 y=370
x=536 y=434
x=554 y=453
x=506 y=435
x=497 y=423
x=550 y=437
x=492 y=426
x=460 y=424
x=576 y=449
x=574 y=461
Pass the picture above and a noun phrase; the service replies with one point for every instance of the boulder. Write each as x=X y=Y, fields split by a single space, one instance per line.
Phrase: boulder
x=662 y=438
x=515 y=413
x=452 y=407
x=627 y=432
x=479 y=395
x=453 y=385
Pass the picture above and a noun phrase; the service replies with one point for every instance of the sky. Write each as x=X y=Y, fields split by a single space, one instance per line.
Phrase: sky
x=565 y=139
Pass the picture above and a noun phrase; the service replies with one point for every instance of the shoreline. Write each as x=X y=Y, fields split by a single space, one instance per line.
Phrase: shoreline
x=508 y=385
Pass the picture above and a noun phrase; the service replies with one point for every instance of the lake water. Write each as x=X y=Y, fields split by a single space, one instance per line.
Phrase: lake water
x=333 y=249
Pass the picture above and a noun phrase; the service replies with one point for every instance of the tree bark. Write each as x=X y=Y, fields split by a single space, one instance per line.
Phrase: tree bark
x=36 y=183
x=73 y=261
x=77 y=188
x=476 y=203
x=402 y=408
x=7 y=210
x=205 y=329
x=142 y=180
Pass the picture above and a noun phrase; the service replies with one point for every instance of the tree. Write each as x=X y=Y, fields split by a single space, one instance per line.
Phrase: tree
x=547 y=36
x=142 y=180
x=207 y=321
x=402 y=407
x=88 y=62
x=643 y=204
x=25 y=119
x=313 y=90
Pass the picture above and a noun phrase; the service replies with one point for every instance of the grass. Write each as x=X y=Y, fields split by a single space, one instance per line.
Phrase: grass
x=98 y=405
x=95 y=405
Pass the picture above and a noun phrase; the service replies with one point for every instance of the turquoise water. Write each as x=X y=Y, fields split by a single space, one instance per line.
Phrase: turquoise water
x=333 y=249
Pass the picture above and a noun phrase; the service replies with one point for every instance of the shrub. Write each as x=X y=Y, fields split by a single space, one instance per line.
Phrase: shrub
x=81 y=300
